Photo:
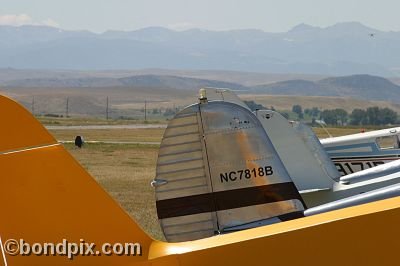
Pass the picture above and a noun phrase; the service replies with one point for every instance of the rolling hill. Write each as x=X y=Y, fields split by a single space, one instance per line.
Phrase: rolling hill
x=356 y=86
x=142 y=81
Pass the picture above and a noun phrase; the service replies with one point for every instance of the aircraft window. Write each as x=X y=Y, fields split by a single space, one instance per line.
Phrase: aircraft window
x=387 y=142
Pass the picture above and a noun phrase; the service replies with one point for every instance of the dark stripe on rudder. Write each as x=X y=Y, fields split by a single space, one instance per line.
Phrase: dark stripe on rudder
x=225 y=200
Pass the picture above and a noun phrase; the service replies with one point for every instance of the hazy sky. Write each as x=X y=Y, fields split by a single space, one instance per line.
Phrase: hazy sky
x=268 y=15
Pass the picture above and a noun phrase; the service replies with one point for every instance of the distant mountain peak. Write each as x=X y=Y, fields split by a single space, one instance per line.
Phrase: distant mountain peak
x=351 y=26
x=154 y=29
x=303 y=27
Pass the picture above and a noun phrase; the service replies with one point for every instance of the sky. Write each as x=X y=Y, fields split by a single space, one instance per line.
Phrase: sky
x=267 y=15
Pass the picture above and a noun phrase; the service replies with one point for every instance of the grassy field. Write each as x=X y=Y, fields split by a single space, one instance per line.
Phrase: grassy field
x=92 y=101
x=126 y=170
x=335 y=132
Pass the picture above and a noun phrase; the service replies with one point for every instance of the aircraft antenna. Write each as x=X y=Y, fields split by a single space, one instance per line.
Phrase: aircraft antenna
x=322 y=124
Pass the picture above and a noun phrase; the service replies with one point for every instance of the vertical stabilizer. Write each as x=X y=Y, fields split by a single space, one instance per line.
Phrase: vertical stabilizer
x=297 y=148
x=218 y=171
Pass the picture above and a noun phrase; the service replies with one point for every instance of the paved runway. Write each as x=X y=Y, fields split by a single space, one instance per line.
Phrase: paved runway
x=135 y=126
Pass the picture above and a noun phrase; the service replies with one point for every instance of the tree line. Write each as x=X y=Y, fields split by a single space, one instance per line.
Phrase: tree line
x=370 y=116
x=338 y=116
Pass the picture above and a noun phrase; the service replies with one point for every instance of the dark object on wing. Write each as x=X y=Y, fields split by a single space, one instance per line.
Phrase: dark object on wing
x=79 y=141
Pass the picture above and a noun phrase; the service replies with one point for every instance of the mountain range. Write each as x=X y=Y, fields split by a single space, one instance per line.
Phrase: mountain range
x=342 y=49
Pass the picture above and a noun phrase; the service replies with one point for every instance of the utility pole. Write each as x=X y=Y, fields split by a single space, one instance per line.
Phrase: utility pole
x=107 y=109
x=145 y=110
x=33 y=105
x=67 y=108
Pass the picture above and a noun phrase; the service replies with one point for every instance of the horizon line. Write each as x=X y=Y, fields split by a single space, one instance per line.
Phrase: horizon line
x=305 y=25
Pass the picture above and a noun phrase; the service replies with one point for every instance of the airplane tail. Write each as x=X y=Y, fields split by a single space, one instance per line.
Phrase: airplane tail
x=47 y=197
x=298 y=141
x=218 y=172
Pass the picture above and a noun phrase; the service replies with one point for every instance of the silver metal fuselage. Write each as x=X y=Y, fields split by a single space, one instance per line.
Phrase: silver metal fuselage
x=356 y=152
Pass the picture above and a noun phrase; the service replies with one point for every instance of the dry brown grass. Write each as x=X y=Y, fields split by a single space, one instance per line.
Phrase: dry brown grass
x=91 y=102
x=125 y=172
x=336 y=132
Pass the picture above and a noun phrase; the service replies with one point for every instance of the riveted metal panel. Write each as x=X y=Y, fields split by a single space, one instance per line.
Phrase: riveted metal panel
x=182 y=172
x=217 y=169
x=241 y=157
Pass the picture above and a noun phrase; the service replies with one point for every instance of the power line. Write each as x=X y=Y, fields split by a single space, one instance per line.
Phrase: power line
x=67 y=108
x=145 y=110
x=33 y=105
x=107 y=109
